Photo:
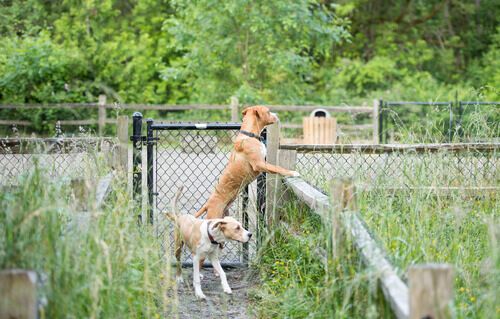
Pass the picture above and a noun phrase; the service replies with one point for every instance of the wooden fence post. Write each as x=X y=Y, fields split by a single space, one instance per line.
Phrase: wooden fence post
x=431 y=291
x=375 y=116
x=102 y=113
x=273 y=144
x=123 y=138
x=342 y=195
x=286 y=159
x=18 y=294
x=235 y=112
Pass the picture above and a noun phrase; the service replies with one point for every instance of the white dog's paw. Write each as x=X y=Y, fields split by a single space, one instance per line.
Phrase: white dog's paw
x=296 y=174
x=201 y=277
x=228 y=291
x=180 y=280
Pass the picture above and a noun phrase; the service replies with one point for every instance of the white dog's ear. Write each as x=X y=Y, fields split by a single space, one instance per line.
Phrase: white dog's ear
x=220 y=223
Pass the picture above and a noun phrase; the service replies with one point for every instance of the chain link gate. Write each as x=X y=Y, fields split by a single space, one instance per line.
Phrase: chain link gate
x=193 y=156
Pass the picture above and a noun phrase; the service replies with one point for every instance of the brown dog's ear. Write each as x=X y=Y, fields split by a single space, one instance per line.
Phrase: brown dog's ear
x=259 y=111
x=245 y=111
x=219 y=223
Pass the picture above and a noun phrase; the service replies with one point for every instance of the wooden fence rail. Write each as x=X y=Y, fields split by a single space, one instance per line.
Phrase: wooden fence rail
x=235 y=108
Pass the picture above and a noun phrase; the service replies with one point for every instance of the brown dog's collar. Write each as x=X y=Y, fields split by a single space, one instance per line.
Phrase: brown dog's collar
x=260 y=138
x=212 y=240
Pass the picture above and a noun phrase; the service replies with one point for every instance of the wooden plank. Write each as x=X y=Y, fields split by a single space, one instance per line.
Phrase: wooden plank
x=10 y=122
x=18 y=294
x=431 y=291
x=235 y=112
x=292 y=125
x=394 y=148
x=49 y=145
x=313 y=198
x=395 y=291
x=307 y=132
x=77 y=122
x=309 y=108
x=51 y=105
x=102 y=113
x=286 y=159
x=273 y=142
x=123 y=140
x=171 y=107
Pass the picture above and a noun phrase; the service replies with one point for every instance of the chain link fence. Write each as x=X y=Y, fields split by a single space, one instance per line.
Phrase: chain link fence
x=65 y=158
x=195 y=159
x=371 y=168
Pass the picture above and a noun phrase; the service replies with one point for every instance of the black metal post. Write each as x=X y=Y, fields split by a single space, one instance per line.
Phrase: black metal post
x=386 y=121
x=150 y=143
x=137 y=159
x=244 y=206
x=451 y=121
x=380 y=120
x=460 y=114
x=261 y=201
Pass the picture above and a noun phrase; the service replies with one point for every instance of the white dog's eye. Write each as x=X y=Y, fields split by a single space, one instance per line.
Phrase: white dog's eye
x=238 y=228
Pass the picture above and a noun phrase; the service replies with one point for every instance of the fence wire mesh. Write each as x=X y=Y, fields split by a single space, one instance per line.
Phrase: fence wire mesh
x=402 y=169
x=57 y=158
x=194 y=159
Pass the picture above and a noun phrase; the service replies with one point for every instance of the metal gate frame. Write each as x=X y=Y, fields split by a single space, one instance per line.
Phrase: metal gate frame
x=150 y=142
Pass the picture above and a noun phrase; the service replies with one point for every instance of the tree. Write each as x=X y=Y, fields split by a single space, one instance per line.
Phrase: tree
x=260 y=51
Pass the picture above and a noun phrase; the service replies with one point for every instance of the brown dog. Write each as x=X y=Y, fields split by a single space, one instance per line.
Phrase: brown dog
x=246 y=162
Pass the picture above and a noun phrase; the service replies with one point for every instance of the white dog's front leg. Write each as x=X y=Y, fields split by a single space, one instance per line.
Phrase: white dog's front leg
x=216 y=264
x=196 y=278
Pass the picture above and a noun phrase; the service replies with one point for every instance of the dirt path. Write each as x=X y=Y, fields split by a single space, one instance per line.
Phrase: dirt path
x=218 y=304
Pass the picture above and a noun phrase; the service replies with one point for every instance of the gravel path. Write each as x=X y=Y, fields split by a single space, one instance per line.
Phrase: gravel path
x=218 y=304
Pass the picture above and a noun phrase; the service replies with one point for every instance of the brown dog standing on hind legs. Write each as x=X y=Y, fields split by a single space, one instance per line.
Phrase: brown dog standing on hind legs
x=246 y=162
x=203 y=238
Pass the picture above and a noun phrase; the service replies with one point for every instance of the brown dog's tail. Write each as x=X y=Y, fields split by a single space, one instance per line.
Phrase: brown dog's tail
x=201 y=211
x=175 y=206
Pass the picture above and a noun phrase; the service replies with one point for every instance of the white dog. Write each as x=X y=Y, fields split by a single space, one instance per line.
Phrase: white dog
x=203 y=238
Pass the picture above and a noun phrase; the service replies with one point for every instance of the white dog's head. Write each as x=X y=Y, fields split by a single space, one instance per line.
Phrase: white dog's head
x=232 y=229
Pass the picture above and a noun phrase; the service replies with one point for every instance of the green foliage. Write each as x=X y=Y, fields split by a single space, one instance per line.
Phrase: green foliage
x=280 y=52
x=34 y=69
x=258 y=51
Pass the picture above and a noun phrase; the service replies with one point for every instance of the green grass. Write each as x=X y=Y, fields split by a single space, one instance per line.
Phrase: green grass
x=303 y=278
x=417 y=227
x=105 y=267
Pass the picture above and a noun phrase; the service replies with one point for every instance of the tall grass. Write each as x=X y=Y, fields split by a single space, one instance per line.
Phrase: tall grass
x=89 y=264
x=301 y=275
x=304 y=277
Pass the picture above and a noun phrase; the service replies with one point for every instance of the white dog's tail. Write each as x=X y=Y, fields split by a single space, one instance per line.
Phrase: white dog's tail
x=175 y=206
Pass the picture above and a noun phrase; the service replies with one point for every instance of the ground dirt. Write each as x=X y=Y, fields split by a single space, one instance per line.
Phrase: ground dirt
x=218 y=304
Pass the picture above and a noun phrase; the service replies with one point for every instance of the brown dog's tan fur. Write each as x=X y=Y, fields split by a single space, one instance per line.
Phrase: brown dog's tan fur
x=245 y=163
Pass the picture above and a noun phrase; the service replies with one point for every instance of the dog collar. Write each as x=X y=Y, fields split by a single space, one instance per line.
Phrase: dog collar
x=260 y=138
x=212 y=240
